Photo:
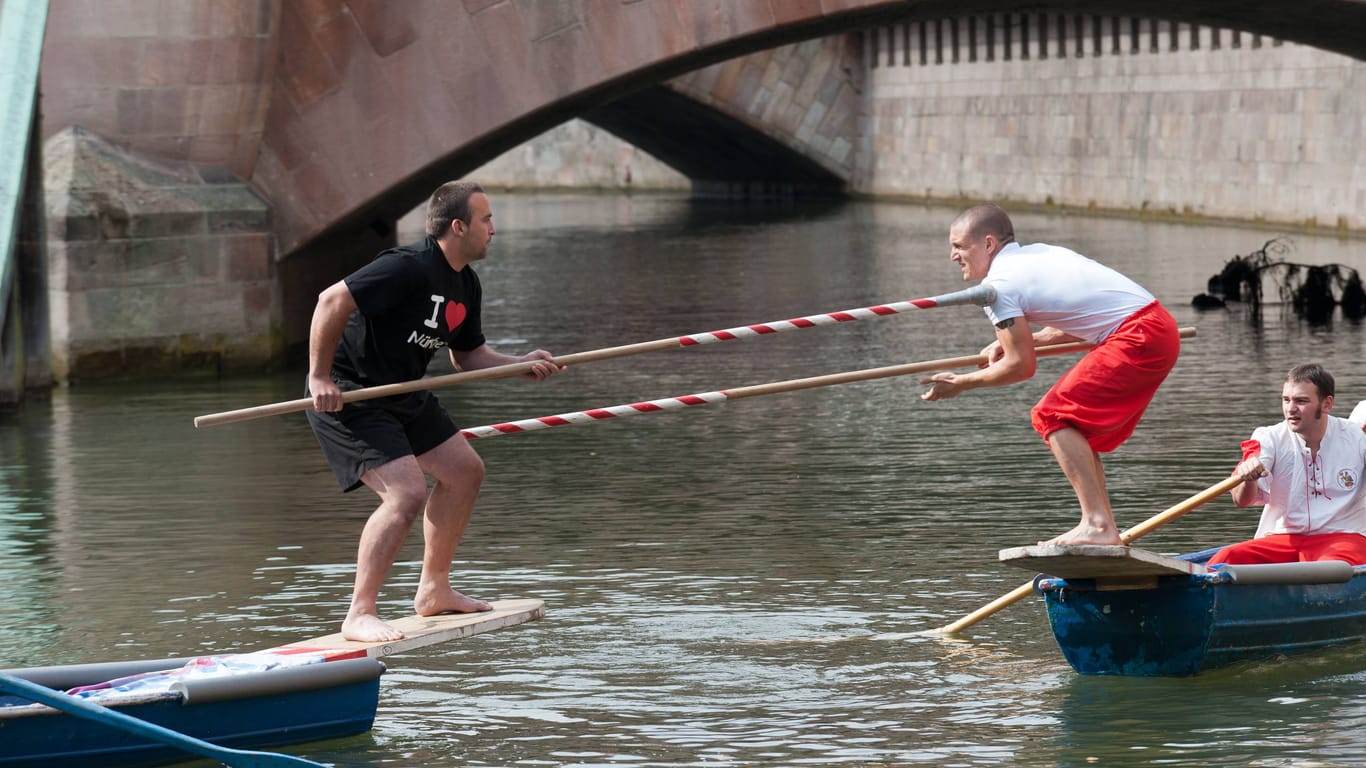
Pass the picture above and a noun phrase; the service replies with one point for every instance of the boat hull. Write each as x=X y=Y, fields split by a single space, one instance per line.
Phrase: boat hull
x=1189 y=624
x=264 y=709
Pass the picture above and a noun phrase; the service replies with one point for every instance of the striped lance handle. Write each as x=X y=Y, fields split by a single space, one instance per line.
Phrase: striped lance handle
x=980 y=295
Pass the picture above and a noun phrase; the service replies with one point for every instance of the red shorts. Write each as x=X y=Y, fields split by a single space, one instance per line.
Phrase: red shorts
x=1295 y=548
x=1105 y=393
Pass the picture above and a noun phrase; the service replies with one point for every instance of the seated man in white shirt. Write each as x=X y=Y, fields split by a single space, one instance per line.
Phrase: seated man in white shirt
x=1308 y=472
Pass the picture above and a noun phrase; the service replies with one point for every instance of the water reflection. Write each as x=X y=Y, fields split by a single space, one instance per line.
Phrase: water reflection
x=1294 y=715
x=736 y=583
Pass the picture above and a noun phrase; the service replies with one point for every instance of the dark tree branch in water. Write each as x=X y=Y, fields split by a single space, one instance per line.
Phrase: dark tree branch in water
x=1308 y=289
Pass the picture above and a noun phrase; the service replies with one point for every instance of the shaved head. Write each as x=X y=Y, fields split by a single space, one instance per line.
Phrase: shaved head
x=981 y=220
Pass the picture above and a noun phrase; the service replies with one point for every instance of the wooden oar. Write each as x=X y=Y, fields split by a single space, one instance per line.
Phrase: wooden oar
x=980 y=295
x=1132 y=534
x=791 y=385
x=89 y=710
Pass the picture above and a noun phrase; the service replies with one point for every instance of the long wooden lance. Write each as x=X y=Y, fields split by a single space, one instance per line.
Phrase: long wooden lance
x=980 y=295
x=724 y=395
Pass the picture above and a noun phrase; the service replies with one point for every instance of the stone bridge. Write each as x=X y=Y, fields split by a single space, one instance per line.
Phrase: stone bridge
x=324 y=121
x=360 y=111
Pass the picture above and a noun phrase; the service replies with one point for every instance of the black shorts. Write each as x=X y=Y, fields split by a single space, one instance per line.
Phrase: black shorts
x=372 y=433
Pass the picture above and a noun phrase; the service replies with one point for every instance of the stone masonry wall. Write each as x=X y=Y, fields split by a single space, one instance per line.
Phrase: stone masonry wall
x=1120 y=114
x=154 y=266
x=806 y=95
x=577 y=154
x=187 y=80
x=161 y=258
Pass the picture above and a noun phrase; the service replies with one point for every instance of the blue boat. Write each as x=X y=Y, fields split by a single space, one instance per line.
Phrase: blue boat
x=316 y=689
x=284 y=705
x=1179 y=618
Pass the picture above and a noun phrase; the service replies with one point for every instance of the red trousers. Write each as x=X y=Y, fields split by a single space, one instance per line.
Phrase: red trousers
x=1295 y=548
x=1105 y=393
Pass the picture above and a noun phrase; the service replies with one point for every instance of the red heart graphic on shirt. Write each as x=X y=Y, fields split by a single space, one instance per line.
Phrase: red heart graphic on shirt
x=455 y=315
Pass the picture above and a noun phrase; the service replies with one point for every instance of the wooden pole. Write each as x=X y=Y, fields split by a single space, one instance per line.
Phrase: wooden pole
x=979 y=295
x=791 y=385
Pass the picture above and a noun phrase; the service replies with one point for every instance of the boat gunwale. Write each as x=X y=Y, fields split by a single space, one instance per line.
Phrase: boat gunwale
x=233 y=687
x=1211 y=578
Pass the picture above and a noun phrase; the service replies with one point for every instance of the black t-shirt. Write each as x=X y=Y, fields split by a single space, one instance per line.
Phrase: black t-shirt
x=411 y=303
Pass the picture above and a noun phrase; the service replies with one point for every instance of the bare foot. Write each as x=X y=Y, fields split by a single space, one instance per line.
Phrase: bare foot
x=1085 y=534
x=367 y=628
x=430 y=602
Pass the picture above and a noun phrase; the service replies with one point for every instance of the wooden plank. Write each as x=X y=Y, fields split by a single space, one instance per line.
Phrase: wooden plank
x=1096 y=561
x=422 y=631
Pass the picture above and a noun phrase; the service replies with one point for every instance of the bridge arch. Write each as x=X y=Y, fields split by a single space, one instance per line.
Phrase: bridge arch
x=414 y=99
x=342 y=115
x=411 y=100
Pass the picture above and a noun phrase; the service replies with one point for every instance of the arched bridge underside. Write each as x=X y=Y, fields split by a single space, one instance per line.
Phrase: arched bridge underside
x=214 y=164
x=723 y=156
x=366 y=118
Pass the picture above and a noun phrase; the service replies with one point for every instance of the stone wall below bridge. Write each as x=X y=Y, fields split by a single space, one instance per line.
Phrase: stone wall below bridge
x=1116 y=114
x=1103 y=114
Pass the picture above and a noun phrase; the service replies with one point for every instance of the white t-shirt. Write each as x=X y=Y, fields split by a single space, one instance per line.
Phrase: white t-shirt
x=1312 y=495
x=1055 y=287
x=1358 y=413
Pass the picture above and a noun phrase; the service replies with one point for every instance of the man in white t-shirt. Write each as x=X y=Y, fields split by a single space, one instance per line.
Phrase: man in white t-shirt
x=1308 y=472
x=1095 y=406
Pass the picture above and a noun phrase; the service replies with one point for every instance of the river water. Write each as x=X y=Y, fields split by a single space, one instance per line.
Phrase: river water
x=734 y=584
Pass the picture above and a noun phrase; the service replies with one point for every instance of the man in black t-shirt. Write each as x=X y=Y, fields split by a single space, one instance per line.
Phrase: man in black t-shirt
x=381 y=325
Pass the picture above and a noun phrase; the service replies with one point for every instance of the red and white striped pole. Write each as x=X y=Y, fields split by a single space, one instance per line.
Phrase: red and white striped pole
x=980 y=295
x=722 y=395
x=598 y=414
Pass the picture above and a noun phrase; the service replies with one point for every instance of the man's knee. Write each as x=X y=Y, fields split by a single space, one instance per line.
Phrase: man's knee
x=399 y=484
x=470 y=470
x=460 y=468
